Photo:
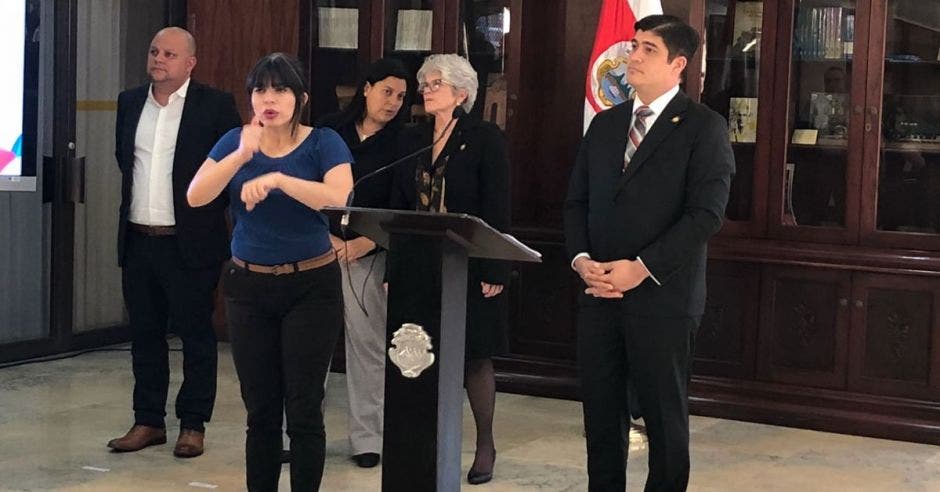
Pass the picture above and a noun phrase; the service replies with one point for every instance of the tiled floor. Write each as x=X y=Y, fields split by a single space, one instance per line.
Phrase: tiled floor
x=55 y=418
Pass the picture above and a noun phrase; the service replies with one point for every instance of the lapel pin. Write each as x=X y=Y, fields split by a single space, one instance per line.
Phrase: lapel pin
x=676 y=119
x=463 y=146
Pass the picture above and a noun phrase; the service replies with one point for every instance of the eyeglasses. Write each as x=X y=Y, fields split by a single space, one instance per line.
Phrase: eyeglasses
x=434 y=86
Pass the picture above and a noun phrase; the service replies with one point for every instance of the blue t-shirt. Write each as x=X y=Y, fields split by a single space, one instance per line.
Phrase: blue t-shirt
x=281 y=229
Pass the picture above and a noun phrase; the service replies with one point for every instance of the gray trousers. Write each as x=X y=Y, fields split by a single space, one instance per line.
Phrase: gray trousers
x=365 y=351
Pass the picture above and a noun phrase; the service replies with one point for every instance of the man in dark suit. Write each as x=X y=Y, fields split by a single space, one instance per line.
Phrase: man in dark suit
x=171 y=253
x=648 y=189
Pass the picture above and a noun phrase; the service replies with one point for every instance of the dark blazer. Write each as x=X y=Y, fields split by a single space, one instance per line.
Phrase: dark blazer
x=476 y=183
x=477 y=179
x=369 y=155
x=207 y=115
x=663 y=209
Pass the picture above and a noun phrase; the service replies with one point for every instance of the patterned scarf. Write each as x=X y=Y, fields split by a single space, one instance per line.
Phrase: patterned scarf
x=430 y=185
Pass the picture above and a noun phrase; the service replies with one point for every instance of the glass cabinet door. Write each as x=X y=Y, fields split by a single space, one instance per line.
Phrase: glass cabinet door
x=334 y=54
x=905 y=185
x=811 y=195
x=818 y=126
x=482 y=38
x=736 y=42
x=409 y=32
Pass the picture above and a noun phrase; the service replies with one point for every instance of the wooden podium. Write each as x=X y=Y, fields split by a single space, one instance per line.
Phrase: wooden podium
x=427 y=295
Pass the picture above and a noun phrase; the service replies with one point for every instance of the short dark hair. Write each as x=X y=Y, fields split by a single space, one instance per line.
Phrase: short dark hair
x=680 y=38
x=379 y=70
x=280 y=70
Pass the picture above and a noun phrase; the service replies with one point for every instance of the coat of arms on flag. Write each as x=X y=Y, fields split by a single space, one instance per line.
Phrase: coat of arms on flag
x=606 y=84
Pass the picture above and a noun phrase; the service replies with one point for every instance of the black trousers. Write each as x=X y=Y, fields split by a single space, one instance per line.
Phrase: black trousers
x=655 y=354
x=283 y=329
x=161 y=293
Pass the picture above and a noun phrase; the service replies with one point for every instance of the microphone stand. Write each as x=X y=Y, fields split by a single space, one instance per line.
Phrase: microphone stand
x=344 y=221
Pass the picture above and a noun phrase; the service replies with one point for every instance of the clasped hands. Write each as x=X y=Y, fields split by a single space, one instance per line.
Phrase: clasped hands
x=610 y=279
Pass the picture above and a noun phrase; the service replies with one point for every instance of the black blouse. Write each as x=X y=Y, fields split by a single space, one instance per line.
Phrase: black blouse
x=369 y=154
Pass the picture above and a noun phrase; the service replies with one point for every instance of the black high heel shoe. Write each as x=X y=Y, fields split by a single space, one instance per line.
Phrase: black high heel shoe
x=477 y=478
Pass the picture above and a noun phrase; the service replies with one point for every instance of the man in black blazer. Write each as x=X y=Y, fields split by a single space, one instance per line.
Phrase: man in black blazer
x=648 y=189
x=171 y=254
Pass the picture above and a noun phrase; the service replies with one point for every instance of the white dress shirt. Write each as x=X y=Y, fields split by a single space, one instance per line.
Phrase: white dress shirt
x=154 y=149
x=657 y=107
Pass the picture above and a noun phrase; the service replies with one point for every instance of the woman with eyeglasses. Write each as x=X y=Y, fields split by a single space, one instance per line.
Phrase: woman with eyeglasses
x=283 y=297
x=467 y=171
x=370 y=127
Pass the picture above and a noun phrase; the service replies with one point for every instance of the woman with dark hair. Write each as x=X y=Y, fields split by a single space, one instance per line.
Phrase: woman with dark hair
x=467 y=171
x=283 y=298
x=370 y=126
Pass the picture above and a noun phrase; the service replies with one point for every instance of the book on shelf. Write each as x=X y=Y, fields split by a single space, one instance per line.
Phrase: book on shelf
x=825 y=33
x=746 y=35
x=789 y=218
x=742 y=119
x=848 y=35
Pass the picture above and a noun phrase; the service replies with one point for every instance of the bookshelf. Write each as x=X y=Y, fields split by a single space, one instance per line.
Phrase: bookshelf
x=833 y=220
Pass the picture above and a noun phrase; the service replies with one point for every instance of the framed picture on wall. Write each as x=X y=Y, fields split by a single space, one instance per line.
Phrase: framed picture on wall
x=748 y=17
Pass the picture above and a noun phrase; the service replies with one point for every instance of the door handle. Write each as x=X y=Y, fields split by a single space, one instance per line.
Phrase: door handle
x=75 y=187
x=48 y=179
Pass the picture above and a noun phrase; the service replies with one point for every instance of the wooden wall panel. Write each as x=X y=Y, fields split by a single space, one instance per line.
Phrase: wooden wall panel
x=804 y=326
x=230 y=37
x=232 y=34
x=726 y=338
x=543 y=300
x=895 y=327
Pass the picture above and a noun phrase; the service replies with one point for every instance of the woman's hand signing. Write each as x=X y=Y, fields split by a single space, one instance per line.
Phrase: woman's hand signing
x=250 y=139
x=256 y=190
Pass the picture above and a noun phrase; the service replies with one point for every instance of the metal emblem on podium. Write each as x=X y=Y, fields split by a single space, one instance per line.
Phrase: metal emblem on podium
x=411 y=350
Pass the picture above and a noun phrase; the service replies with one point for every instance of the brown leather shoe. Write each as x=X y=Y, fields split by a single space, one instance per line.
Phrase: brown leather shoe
x=190 y=444
x=139 y=437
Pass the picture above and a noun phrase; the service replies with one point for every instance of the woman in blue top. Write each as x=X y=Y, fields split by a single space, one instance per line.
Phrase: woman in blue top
x=283 y=296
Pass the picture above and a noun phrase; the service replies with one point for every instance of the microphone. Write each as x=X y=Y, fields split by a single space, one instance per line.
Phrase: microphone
x=344 y=221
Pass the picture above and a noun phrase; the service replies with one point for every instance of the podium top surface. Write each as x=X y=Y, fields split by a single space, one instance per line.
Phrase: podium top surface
x=476 y=236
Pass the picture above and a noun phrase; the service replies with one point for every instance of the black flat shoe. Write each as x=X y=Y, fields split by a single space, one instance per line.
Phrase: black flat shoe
x=476 y=478
x=366 y=460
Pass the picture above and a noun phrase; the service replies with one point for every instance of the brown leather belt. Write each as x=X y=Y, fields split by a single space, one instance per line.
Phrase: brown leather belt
x=298 y=266
x=153 y=230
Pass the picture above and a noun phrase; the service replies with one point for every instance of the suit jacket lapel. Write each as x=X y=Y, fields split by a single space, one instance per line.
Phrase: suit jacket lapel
x=130 y=125
x=458 y=138
x=190 y=110
x=665 y=123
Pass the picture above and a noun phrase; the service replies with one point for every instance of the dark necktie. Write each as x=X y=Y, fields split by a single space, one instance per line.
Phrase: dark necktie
x=637 y=132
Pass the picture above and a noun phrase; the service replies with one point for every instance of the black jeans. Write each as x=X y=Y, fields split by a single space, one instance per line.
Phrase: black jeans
x=283 y=329
x=160 y=291
x=654 y=353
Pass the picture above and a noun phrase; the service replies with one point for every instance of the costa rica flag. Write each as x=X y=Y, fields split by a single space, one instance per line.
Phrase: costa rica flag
x=606 y=82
